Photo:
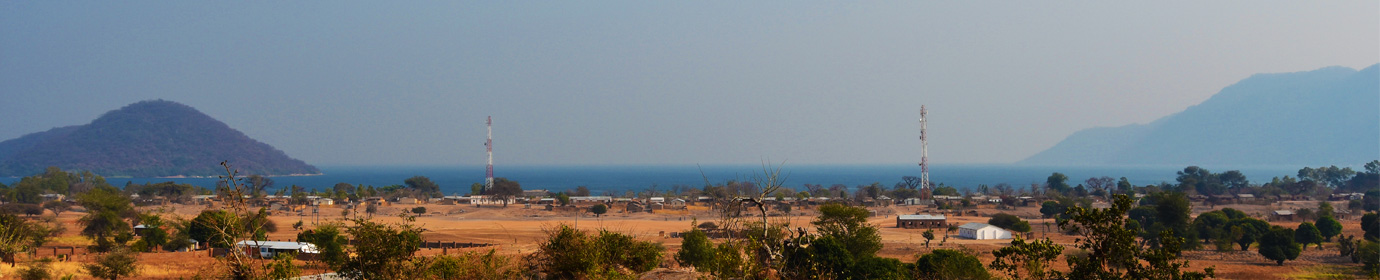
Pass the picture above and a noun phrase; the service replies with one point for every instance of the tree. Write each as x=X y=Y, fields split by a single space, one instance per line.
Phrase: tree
x=1368 y=253
x=371 y=209
x=1209 y=225
x=153 y=234
x=329 y=242
x=1328 y=227
x=1034 y=258
x=563 y=199
x=1112 y=249
x=1021 y=227
x=503 y=189
x=568 y=253
x=257 y=184
x=849 y=226
x=113 y=265
x=581 y=191
x=1325 y=209
x=1248 y=230
x=599 y=209
x=1051 y=208
x=1234 y=180
x=107 y=211
x=423 y=185
x=1004 y=220
x=950 y=264
x=57 y=206
x=1370 y=224
x=1171 y=212
x=476 y=189
x=929 y=236
x=17 y=236
x=418 y=210
x=218 y=229
x=343 y=190
x=1278 y=244
x=382 y=251
x=1308 y=234
x=1057 y=182
x=696 y=250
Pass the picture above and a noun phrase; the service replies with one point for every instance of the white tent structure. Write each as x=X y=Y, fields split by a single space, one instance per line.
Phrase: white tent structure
x=982 y=231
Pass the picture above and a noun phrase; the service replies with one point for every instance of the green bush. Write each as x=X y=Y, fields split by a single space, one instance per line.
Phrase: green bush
x=696 y=250
x=569 y=253
x=949 y=264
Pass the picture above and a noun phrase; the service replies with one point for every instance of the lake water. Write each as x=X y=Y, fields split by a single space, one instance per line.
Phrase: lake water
x=457 y=179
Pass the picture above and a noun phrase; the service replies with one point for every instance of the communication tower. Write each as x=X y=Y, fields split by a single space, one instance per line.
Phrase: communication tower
x=924 y=157
x=489 y=146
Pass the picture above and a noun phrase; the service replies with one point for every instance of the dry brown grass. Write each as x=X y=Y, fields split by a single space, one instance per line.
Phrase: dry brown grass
x=517 y=230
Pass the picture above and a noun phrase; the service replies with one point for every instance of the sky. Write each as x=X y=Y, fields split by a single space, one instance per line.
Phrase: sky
x=658 y=82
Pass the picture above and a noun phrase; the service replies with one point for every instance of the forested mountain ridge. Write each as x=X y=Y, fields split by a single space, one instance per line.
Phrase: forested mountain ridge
x=1320 y=117
x=147 y=139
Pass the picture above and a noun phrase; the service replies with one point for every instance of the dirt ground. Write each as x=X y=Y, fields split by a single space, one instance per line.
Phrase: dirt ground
x=517 y=230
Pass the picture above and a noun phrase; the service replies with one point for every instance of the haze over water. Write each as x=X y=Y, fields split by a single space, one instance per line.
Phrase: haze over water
x=457 y=179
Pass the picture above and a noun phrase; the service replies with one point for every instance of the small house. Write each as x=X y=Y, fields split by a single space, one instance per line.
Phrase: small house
x=981 y=231
x=1282 y=215
x=536 y=193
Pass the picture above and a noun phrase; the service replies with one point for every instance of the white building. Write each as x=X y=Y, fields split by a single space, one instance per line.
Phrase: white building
x=982 y=231
x=269 y=249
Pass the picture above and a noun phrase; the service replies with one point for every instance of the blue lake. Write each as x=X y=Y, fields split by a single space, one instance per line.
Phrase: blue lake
x=457 y=179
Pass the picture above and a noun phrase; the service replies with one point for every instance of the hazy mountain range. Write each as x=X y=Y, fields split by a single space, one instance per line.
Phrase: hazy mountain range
x=1321 y=117
x=147 y=139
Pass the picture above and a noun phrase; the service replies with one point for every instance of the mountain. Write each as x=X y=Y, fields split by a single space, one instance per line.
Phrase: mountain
x=147 y=139
x=1321 y=117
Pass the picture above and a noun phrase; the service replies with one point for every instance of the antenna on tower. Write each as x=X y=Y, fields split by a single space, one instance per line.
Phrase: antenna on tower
x=489 y=146
x=924 y=158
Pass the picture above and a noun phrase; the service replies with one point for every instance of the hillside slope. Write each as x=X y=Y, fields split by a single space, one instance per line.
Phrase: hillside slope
x=1320 y=117
x=147 y=139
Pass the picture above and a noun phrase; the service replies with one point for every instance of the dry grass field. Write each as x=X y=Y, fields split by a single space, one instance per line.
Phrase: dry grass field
x=517 y=230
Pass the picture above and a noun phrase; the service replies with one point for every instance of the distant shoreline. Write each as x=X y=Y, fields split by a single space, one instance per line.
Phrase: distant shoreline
x=218 y=176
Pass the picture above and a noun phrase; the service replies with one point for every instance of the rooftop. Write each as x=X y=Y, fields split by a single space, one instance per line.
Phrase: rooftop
x=974 y=226
x=921 y=217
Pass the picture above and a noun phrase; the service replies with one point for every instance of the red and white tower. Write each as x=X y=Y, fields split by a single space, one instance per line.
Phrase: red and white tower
x=489 y=146
x=924 y=156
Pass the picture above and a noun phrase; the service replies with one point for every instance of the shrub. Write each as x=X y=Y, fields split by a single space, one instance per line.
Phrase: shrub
x=696 y=250
x=950 y=264
x=116 y=264
x=1004 y=220
x=570 y=253
x=39 y=270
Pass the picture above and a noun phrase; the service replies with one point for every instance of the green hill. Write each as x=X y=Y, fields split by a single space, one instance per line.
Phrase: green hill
x=147 y=139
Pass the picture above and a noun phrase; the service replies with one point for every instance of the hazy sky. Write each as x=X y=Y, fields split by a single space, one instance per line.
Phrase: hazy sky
x=652 y=82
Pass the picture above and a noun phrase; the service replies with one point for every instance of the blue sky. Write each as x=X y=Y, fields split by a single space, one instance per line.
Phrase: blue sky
x=638 y=82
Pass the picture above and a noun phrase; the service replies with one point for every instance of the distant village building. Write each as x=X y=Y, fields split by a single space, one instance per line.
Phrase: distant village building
x=917 y=201
x=490 y=200
x=536 y=193
x=52 y=197
x=270 y=249
x=1282 y=215
x=591 y=199
x=982 y=231
x=921 y=221
x=676 y=204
